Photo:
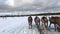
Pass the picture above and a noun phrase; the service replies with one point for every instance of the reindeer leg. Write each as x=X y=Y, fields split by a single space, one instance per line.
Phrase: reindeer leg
x=46 y=25
x=30 y=25
x=49 y=26
x=39 y=23
x=55 y=26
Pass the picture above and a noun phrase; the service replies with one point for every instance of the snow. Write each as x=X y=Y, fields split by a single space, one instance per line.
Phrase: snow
x=18 y=25
x=10 y=25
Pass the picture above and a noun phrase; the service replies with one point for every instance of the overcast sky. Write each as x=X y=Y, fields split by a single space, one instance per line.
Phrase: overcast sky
x=18 y=5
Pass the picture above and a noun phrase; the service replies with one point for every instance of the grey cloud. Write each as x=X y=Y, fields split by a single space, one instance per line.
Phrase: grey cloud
x=43 y=4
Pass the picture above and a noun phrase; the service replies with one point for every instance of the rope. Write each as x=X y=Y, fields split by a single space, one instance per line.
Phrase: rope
x=45 y=29
x=40 y=30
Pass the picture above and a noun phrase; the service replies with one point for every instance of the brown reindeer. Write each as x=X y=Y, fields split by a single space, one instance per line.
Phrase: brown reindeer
x=37 y=20
x=30 y=22
x=44 y=20
x=54 y=20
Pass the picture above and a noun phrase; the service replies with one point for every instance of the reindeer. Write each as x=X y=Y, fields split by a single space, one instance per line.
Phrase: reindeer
x=55 y=21
x=44 y=21
x=37 y=20
x=30 y=22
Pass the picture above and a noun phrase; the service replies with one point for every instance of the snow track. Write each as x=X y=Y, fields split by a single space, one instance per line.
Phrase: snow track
x=26 y=30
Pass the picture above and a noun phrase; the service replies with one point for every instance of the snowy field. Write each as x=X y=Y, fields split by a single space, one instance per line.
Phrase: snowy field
x=19 y=25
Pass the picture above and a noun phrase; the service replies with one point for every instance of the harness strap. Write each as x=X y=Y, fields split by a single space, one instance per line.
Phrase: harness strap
x=58 y=26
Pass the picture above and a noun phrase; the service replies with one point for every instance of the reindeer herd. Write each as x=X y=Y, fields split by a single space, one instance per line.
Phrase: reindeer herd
x=44 y=20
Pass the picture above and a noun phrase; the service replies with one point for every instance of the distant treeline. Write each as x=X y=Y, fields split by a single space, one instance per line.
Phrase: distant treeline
x=46 y=14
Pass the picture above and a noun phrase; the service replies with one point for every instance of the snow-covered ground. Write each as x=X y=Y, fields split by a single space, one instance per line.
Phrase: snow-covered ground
x=18 y=25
